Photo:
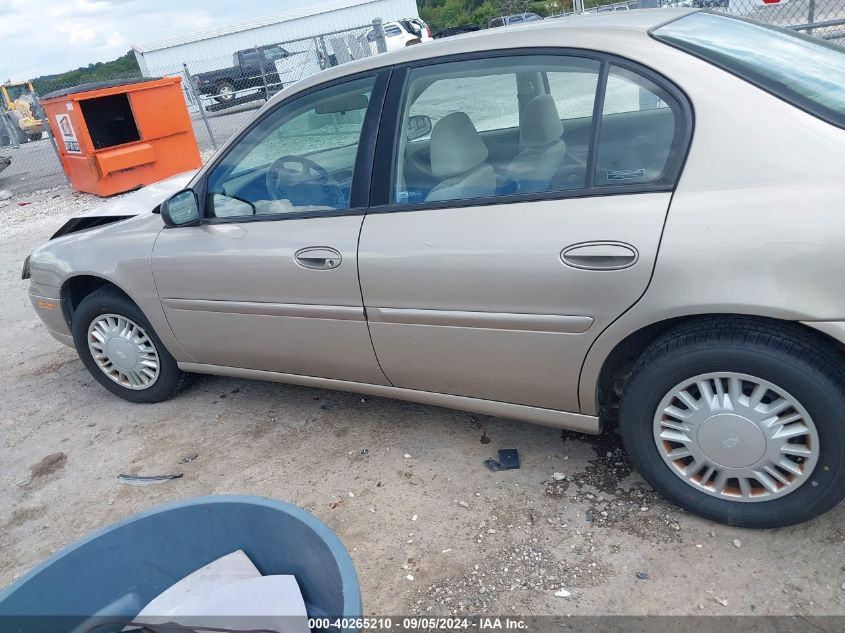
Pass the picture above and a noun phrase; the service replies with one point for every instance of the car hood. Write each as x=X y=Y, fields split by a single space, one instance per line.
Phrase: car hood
x=144 y=200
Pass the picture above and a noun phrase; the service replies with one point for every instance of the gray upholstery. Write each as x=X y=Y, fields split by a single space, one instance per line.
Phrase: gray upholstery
x=477 y=183
x=540 y=133
x=458 y=157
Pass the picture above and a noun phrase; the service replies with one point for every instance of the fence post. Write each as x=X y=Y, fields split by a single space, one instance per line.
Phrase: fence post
x=381 y=45
x=263 y=76
x=199 y=105
x=51 y=137
x=328 y=61
x=811 y=14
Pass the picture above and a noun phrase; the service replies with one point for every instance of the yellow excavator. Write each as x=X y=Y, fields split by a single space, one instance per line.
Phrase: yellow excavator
x=19 y=120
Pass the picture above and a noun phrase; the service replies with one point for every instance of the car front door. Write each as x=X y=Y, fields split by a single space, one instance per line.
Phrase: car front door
x=490 y=273
x=269 y=280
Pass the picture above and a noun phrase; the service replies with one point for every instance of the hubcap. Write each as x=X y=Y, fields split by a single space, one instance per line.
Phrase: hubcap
x=123 y=351
x=736 y=437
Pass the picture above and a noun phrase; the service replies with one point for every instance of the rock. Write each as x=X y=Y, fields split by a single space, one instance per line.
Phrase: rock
x=414 y=518
x=737 y=543
x=351 y=494
x=644 y=509
x=5 y=194
x=407 y=456
x=410 y=576
x=563 y=593
x=463 y=504
x=558 y=476
x=642 y=575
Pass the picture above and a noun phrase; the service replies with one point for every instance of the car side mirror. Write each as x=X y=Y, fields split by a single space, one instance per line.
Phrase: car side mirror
x=419 y=126
x=181 y=209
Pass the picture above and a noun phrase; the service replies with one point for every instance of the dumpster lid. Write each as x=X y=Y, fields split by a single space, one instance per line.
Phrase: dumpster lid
x=98 y=85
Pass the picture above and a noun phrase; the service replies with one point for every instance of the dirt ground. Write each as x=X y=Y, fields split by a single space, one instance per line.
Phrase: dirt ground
x=430 y=529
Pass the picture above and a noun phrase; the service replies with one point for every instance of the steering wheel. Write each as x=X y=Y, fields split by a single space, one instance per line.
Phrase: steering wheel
x=303 y=182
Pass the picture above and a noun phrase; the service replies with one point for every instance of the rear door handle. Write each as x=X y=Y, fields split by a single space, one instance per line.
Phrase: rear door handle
x=318 y=258
x=599 y=255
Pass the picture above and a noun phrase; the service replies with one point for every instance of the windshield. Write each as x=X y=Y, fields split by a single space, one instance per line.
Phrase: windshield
x=807 y=72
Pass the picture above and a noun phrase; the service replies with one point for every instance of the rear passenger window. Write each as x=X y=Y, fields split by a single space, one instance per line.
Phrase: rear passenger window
x=638 y=130
x=531 y=124
x=499 y=126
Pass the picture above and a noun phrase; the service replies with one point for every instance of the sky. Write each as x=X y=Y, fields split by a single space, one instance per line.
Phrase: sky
x=40 y=37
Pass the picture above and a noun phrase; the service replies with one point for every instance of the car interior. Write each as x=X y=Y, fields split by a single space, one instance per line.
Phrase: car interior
x=542 y=153
x=304 y=162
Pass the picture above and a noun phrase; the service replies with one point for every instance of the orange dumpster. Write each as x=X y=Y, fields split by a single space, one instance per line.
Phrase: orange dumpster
x=120 y=135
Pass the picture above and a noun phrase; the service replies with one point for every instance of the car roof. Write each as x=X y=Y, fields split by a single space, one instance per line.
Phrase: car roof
x=527 y=34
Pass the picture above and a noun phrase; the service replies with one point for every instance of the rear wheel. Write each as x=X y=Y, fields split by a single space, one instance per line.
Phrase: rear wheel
x=739 y=421
x=119 y=347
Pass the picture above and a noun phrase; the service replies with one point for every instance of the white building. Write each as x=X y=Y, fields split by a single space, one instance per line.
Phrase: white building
x=214 y=48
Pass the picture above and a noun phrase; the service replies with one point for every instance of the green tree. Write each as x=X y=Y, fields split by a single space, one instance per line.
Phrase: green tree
x=124 y=67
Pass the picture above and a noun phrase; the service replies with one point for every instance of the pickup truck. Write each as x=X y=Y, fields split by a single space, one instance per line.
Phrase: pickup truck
x=253 y=68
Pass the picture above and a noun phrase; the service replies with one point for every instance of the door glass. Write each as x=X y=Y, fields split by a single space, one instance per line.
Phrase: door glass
x=638 y=128
x=500 y=126
x=299 y=158
x=274 y=53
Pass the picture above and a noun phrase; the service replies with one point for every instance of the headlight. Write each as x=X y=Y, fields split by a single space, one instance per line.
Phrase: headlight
x=25 y=271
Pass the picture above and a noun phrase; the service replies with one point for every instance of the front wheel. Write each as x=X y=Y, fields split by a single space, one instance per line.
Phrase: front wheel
x=739 y=421
x=119 y=348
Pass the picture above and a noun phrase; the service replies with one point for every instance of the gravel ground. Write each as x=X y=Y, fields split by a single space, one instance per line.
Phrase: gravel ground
x=430 y=529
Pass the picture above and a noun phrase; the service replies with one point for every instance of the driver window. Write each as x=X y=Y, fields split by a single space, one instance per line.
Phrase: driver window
x=300 y=158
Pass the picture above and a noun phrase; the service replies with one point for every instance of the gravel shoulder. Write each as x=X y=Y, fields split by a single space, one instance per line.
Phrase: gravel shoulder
x=403 y=485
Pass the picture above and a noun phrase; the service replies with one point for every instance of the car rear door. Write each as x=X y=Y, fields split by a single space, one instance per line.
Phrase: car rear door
x=499 y=296
x=269 y=281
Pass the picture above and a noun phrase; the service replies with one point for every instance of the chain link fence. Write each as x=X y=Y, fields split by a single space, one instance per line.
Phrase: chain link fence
x=222 y=91
x=820 y=18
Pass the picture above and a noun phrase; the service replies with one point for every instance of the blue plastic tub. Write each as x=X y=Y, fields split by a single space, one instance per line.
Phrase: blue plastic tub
x=116 y=571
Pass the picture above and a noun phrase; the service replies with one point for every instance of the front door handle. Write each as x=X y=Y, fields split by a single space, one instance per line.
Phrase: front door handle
x=318 y=258
x=599 y=255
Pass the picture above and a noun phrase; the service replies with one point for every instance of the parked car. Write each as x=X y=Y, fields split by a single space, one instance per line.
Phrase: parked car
x=254 y=68
x=508 y=20
x=401 y=33
x=449 y=31
x=525 y=224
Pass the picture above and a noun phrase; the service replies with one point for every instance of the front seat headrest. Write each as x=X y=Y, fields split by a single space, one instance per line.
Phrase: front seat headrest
x=456 y=147
x=541 y=124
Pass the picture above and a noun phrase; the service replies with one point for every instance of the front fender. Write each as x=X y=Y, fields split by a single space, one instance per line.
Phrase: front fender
x=118 y=253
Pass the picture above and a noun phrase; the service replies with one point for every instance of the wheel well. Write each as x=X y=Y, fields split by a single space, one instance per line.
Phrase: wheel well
x=75 y=289
x=618 y=364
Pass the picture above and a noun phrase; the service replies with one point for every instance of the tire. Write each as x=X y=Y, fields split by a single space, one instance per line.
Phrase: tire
x=34 y=137
x=226 y=87
x=790 y=365
x=111 y=301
